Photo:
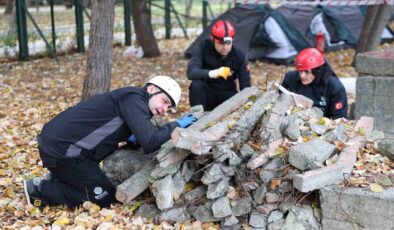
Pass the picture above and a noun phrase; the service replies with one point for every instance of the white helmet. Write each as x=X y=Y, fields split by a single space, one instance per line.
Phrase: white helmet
x=169 y=86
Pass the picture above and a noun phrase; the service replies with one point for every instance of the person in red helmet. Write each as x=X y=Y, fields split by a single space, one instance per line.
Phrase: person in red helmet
x=215 y=66
x=316 y=80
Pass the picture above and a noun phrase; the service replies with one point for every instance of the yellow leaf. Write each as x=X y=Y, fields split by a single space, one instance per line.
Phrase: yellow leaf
x=135 y=206
x=322 y=121
x=62 y=221
x=248 y=105
x=231 y=124
x=375 y=187
x=361 y=131
x=307 y=138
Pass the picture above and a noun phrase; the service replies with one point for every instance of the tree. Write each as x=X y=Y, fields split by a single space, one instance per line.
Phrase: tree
x=99 y=60
x=143 y=28
x=8 y=7
x=375 y=20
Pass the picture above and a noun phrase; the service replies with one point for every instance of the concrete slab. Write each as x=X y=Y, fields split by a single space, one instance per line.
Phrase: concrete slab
x=375 y=98
x=377 y=63
x=370 y=209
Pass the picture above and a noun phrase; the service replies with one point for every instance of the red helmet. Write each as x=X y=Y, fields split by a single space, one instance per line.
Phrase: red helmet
x=222 y=32
x=308 y=59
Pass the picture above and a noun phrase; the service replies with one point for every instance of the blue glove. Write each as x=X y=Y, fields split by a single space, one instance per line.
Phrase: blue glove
x=132 y=139
x=186 y=120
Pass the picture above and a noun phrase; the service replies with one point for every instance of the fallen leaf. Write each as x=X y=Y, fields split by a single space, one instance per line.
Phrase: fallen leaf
x=375 y=187
x=275 y=183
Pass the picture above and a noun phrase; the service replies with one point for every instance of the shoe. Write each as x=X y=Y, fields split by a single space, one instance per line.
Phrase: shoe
x=32 y=192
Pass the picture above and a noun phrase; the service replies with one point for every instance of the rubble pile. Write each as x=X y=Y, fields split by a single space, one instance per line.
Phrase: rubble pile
x=241 y=164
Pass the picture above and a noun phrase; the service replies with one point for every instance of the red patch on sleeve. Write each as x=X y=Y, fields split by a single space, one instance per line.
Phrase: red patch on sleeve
x=248 y=67
x=338 y=105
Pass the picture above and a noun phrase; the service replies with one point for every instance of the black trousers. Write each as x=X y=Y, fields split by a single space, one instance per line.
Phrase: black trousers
x=77 y=180
x=200 y=93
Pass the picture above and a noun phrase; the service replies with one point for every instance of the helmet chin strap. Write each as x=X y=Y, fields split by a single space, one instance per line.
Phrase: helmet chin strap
x=153 y=94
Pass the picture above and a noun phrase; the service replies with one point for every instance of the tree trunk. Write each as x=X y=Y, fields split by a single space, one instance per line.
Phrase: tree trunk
x=99 y=62
x=143 y=28
x=8 y=7
x=380 y=22
x=375 y=20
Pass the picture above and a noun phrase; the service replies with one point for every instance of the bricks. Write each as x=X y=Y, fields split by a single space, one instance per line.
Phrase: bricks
x=333 y=174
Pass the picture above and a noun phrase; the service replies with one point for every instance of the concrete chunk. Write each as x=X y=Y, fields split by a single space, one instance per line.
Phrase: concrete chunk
x=218 y=189
x=257 y=220
x=303 y=155
x=162 y=190
x=174 y=215
x=213 y=174
x=221 y=208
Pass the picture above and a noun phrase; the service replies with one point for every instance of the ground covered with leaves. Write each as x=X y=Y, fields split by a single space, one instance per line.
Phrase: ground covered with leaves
x=33 y=92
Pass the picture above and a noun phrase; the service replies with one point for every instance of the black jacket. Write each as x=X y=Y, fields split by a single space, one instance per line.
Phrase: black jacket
x=96 y=126
x=205 y=58
x=329 y=95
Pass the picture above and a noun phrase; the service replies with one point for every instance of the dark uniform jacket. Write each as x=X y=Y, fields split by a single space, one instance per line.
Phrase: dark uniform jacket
x=94 y=128
x=329 y=95
x=206 y=58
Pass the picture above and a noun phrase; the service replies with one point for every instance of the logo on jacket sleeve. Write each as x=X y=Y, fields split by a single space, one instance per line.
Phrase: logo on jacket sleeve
x=338 y=105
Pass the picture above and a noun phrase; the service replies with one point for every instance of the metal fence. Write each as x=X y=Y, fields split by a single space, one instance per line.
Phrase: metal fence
x=52 y=27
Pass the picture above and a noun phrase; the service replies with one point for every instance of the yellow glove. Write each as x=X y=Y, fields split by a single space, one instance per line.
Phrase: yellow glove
x=223 y=72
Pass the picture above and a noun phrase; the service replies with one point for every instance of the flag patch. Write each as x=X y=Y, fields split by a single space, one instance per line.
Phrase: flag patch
x=338 y=105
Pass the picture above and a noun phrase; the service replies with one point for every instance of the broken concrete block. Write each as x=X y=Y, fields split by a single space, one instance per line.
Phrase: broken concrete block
x=307 y=114
x=290 y=127
x=338 y=133
x=301 y=218
x=386 y=148
x=274 y=216
x=221 y=208
x=213 y=174
x=241 y=206
x=303 y=155
x=218 y=189
x=247 y=151
x=162 y=191
x=266 y=208
x=259 y=194
x=272 y=197
x=178 y=185
x=204 y=214
x=147 y=211
x=271 y=170
x=174 y=215
x=195 y=194
x=228 y=170
x=257 y=220
x=230 y=221
x=276 y=225
x=319 y=129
